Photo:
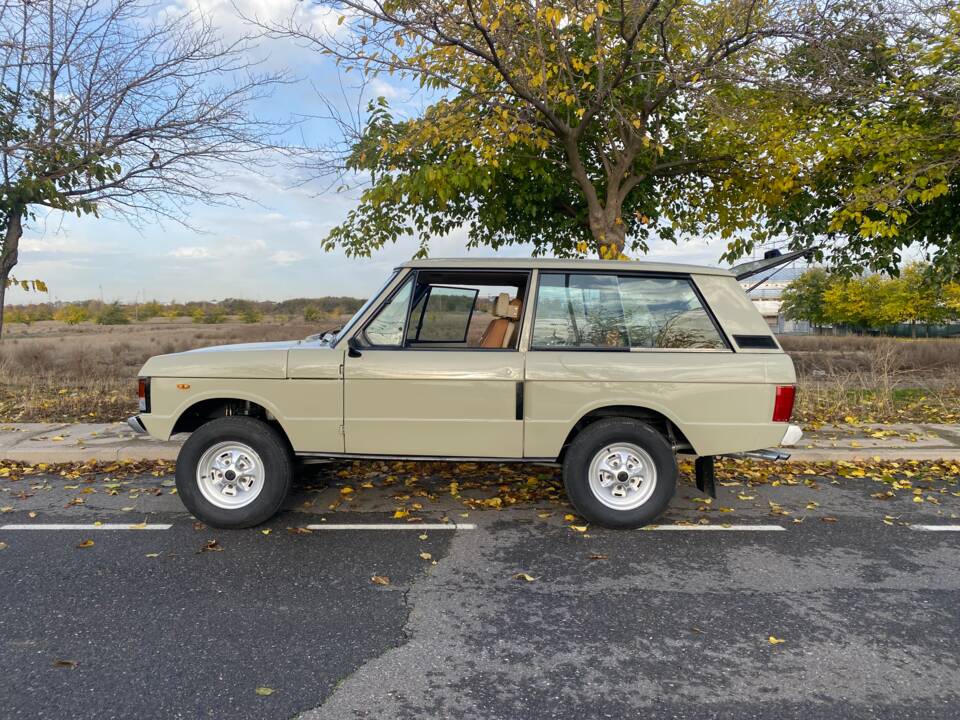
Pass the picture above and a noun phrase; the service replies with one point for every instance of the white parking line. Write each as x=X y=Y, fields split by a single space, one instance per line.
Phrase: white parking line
x=88 y=526
x=936 y=528
x=755 y=528
x=393 y=526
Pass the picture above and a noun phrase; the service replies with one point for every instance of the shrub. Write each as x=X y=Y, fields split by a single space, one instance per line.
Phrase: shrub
x=251 y=315
x=72 y=314
x=311 y=313
x=197 y=315
x=112 y=314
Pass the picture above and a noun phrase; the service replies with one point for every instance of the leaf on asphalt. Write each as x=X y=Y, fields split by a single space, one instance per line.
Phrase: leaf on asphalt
x=423 y=537
x=265 y=531
x=397 y=514
x=86 y=544
x=211 y=546
x=346 y=490
x=426 y=556
x=6 y=509
x=68 y=664
x=569 y=518
x=523 y=576
x=3 y=546
x=743 y=496
x=31 y=515
x=380 y=580
x=265 y=691
x=299 y=531
x=197 y=525
x=579 y=528
x=828 y=519
x=598 y=556
x=153 y=555
x=775 y=640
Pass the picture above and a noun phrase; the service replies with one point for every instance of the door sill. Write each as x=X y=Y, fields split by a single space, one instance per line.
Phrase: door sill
x=427 y=458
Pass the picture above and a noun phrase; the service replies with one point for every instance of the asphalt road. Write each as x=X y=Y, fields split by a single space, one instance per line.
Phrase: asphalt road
x=614 y=624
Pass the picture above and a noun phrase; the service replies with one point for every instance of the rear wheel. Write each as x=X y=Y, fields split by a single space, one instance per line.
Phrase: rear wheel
x=620 y=473
x=234 y=472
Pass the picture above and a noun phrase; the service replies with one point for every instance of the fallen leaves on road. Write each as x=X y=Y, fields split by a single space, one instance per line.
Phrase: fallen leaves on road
x=67 y=664
x=3 y=546
x=299 y=531
x=211 y=546
x=598 y=556
x=265 y=691
x=426 y=556
x=380 y=580
x=86 y=544
x=523 y=576
x=775 y=640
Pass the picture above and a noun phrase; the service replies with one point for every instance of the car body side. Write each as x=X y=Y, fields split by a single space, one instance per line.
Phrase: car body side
x=460 y=403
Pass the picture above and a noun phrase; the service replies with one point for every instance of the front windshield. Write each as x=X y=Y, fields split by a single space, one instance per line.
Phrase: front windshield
x=353 y=321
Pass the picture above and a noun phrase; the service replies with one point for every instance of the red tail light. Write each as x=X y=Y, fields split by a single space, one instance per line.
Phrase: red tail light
x=783 y=404
x=143 y=394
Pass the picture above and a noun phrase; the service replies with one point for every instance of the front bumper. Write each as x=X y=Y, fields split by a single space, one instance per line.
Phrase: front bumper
x=136 y=424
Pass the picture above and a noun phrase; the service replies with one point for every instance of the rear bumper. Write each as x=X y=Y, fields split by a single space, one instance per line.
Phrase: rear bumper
x=136 y=424
x=792 y=436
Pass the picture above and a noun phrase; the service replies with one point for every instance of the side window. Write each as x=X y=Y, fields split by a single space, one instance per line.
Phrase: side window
x=386 y=328
x=666 y=313
x=622 y=312
x=442 y=314
x=579 y=310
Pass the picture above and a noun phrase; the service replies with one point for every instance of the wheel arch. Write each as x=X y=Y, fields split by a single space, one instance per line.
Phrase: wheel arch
x=656 y=418
x=203 y=410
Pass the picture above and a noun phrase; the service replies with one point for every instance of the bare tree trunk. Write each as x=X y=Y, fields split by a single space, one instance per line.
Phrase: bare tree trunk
x=8 y=256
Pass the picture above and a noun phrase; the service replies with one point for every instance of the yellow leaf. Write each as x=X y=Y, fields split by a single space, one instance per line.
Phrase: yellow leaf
x=85 y=544
x=523 y=576
x=775 y=640
x=264 y=691
x=426 y=556
x=397 y=514
x=265 y=531
x=346 y=490
x=380 y=580
x=579 y=528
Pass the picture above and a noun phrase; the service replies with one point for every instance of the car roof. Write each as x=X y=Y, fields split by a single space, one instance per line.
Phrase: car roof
x=556 y=264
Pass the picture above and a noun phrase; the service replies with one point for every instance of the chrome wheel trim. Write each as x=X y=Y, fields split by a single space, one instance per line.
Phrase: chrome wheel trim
x=230 y=475
x=622 y=476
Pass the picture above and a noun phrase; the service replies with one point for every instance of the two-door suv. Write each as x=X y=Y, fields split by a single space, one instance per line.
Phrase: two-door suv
x=608 y=368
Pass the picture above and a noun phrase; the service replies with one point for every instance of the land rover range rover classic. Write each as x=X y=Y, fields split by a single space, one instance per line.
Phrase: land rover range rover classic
x=607 y=368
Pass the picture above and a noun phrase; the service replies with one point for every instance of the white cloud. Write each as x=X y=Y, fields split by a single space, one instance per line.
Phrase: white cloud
x=193 y=252
x=285 y=257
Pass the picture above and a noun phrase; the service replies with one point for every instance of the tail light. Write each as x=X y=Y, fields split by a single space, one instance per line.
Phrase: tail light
x=783 y=403
x=143 y=394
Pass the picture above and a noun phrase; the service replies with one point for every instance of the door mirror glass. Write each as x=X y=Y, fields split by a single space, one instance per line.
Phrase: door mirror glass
x=386 y=327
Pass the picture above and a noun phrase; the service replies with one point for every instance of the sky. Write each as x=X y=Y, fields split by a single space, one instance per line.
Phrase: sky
x=270 y=249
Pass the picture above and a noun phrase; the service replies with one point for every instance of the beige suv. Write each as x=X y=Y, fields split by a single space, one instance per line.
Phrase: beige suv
x=608 y=368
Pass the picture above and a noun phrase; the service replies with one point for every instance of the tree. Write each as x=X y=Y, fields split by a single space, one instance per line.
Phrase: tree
x=857 y=147
x=565 y=124
x=113 y=314
x=117 y=105
x=803 y=297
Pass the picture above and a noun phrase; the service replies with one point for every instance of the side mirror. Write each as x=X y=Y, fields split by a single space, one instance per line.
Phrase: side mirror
x=353 y=347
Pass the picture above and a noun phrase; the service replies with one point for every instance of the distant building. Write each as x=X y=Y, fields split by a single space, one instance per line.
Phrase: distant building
x=766 y=298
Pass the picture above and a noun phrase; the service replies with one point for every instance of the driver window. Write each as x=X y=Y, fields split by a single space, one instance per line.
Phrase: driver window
x=386 y=328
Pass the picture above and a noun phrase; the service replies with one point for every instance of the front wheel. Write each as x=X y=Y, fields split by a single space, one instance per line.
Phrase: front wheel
x=234 y=472
x=620 y=473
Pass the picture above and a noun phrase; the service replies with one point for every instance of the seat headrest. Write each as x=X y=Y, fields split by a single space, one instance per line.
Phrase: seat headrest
x=504 y=307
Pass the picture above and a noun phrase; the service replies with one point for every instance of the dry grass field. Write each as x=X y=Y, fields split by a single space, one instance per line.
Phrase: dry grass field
x=50 y=371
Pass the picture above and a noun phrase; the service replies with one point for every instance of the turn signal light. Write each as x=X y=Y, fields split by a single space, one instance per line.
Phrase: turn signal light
x=143 y=394
x=783 y=404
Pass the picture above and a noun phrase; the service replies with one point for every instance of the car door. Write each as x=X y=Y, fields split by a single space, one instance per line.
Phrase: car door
x=414 y=387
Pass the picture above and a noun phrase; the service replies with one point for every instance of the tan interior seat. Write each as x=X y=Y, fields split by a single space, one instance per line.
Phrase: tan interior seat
x=506 y=314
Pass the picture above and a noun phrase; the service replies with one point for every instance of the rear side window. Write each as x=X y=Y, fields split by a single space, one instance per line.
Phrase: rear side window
x=578 y=310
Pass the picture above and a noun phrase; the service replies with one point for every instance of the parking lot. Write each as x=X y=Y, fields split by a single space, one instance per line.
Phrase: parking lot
x=814 y=596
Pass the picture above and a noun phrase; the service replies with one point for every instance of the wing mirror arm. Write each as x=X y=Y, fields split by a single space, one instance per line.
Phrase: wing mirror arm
x=353 y=347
